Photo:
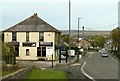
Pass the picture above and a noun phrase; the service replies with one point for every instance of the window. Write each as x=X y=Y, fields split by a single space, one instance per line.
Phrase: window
x=27 y=51
x=41 y=36
x=13 y=36
x=41 y=51
x=38 y=51
x=27 y=36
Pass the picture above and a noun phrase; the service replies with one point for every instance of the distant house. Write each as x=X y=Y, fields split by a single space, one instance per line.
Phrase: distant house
x=86 y=43
x=33 y=39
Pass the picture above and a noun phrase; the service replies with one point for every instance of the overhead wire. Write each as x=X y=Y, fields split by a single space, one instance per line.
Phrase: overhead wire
x=93 y=29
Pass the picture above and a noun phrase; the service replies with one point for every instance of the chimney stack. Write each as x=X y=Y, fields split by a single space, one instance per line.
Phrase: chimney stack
x=35 y=14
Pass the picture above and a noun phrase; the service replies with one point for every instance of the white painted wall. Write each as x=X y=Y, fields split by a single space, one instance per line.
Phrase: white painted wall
x=33 y=37
x=7 y=36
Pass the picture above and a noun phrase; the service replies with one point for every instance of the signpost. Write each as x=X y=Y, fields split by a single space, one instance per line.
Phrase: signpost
x=63 y=53
x=78 y=46
x=52 y=60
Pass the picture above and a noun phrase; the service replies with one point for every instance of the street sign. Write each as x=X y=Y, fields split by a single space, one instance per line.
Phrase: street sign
x=49 y=51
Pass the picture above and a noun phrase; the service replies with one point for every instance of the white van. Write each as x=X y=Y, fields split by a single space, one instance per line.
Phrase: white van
x=104 y=53
x=71 y=52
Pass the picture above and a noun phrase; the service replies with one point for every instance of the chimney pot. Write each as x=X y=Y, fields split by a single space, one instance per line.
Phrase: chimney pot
x=35 y=14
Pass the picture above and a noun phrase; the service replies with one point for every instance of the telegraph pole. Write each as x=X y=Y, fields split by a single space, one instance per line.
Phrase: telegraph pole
x=83 y=39
x=118 y=40
x=78 y=27
x=78 y=39
x=69 y=23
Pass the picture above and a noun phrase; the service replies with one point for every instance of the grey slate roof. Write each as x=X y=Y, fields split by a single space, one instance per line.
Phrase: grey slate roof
x=33 y=23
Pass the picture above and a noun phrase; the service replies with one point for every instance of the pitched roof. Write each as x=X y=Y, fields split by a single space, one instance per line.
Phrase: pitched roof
x=33 y=23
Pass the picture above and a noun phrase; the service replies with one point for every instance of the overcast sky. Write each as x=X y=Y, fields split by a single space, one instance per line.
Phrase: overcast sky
x=95 y=14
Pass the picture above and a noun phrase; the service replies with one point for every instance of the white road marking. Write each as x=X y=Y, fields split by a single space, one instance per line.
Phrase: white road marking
x=86 y=73
x=75 y=64
x=114 y=59
x=89 y=56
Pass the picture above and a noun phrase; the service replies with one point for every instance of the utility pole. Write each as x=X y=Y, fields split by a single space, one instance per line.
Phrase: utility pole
x=69 y=23
x=78 y=27
x=118 y=40
x=83 y=39
x=78 y=39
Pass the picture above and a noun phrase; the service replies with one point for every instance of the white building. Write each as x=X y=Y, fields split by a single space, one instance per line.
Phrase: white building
x=33 y=39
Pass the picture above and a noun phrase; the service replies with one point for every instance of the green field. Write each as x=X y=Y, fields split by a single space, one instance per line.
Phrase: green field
x=46 y=74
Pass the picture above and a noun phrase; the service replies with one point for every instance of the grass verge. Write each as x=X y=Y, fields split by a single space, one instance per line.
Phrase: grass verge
x=46 y=74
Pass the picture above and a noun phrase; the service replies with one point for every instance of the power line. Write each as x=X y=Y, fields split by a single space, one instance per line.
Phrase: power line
x=104 y=26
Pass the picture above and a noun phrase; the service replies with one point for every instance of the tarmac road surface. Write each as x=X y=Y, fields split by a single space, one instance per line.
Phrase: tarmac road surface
x=99 y=67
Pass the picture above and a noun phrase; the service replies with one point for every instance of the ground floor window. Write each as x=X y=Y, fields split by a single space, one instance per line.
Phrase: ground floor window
x=44 y=51
x=41 y=51
x=27 y=51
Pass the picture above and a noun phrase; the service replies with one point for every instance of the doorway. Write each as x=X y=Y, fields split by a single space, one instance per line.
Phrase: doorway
x=17 y=51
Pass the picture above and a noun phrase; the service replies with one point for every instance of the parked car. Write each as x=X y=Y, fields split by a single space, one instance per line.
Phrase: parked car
x=71 y=53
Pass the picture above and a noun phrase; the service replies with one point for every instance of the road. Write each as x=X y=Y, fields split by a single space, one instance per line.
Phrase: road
x=99 y=67
x=42 y=64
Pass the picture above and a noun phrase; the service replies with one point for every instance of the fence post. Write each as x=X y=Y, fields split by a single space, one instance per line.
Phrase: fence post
x=66 y=56
x=60 y=56
x=52 y=60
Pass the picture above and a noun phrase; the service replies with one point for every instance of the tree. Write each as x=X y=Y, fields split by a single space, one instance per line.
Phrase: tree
x=101 y=41
x=97 y=40
x=65 y=37
x=8 y=53
x=115 y=34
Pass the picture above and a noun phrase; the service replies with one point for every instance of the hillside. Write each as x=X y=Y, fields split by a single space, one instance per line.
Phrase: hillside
x=87 y=33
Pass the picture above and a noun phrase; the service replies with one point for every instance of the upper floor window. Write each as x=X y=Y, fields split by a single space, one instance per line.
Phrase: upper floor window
x=13 y=36
x=41 y=36
x=27 y=36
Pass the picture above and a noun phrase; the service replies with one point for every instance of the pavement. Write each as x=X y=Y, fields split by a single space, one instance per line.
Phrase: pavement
x=40 y=64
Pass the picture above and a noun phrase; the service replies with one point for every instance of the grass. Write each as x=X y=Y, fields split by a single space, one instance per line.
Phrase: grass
x=5 y=73
x=46 y=74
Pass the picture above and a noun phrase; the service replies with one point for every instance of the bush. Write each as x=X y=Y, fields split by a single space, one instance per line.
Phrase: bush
x=118 y=54
x=71 y=48
x=7 y=68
